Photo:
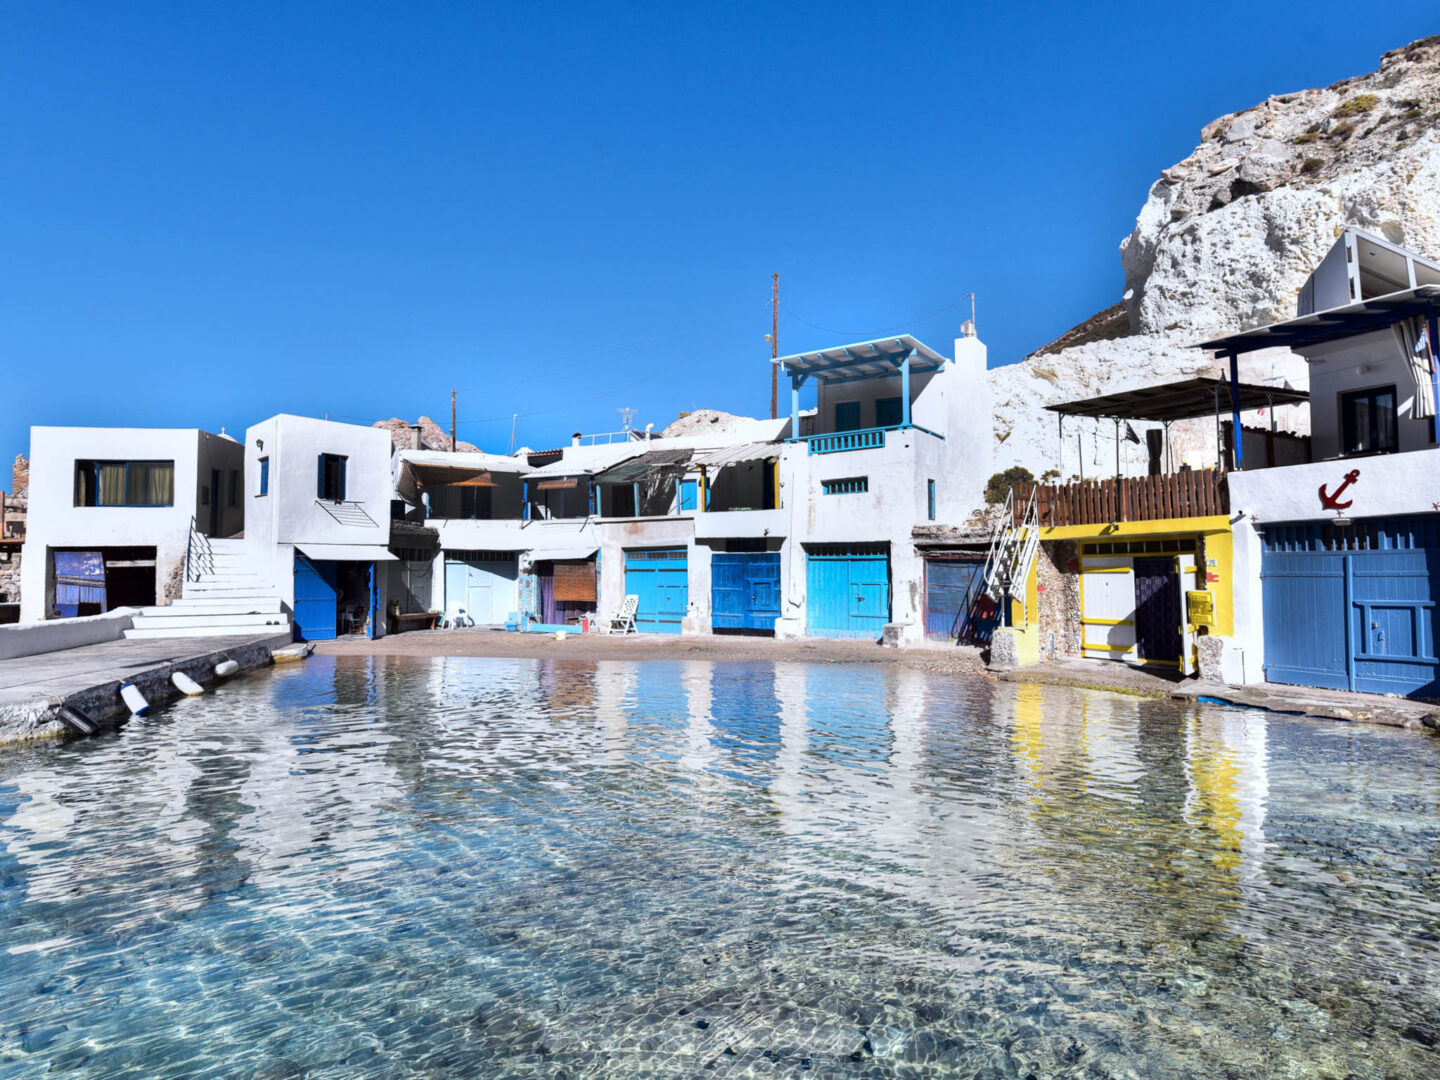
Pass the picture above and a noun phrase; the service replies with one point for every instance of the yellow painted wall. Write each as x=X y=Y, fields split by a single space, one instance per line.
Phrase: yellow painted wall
x=1218 y=542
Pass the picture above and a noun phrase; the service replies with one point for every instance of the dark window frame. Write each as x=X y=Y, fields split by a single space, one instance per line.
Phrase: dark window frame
x=1348 y=435
x=330 y=480
x=88 y=495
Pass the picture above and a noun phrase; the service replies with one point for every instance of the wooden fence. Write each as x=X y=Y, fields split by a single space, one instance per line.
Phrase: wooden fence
x=1196 y=493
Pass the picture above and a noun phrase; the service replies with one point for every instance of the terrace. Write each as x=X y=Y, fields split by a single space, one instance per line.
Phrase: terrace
x=863 y=391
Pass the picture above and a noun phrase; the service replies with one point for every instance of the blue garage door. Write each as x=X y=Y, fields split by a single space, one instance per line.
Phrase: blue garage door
x=1354 y=608
x=947 y=587
x=847 y=591
x=660 y=577
x=745 y=590
x=315 y=599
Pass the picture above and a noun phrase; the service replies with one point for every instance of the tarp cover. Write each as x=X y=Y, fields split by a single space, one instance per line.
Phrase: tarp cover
x=637 y=468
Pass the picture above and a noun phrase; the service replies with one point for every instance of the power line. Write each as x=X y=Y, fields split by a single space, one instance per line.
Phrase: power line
x=873 y=333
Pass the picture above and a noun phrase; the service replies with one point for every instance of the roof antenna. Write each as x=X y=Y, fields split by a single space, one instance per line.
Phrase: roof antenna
x=968 y=330
x=625 y=416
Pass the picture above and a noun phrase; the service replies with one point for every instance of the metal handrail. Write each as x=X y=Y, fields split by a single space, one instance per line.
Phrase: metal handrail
x=199 y=556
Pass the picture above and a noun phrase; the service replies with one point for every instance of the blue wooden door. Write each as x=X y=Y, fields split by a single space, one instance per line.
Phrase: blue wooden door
x=315 y=599
x=847 y=592
x=745 y=590
x=1392 y=621
x=947 y=585
x=1353 y=609
x=660 y=578
x=688 y=500
x=847 y=416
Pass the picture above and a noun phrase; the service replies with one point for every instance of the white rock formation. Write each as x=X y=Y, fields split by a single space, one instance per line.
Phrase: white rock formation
x=1224 y=242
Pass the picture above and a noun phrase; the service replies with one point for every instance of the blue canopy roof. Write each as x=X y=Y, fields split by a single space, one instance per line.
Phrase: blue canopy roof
x=864 y=360
x=1332 y=325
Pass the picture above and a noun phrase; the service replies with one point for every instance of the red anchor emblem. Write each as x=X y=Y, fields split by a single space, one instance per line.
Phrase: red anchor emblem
x=1332 y=502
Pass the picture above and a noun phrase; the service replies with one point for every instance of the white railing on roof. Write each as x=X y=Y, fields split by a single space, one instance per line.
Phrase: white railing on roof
x=605 y=438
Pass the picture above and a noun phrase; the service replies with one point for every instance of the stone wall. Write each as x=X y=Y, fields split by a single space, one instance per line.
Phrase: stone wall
x=1059 y=598
x=9 y=575
x=20 y=477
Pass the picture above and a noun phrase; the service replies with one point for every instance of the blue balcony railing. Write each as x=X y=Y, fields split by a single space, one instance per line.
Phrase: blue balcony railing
x=864 y=439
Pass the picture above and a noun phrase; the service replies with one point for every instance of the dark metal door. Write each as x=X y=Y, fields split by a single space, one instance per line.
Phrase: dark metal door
x=1157 y=609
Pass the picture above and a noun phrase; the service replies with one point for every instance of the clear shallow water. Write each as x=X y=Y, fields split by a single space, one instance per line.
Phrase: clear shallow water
x=462 y=867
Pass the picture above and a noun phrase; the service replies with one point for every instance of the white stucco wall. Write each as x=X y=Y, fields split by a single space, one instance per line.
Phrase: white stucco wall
x=1388 y=484
x=1371 y=361
x=291 y=513
x=56 y=522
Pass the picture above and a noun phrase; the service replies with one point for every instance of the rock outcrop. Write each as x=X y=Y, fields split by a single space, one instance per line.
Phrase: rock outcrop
x=432 y=435
x=1225 y=241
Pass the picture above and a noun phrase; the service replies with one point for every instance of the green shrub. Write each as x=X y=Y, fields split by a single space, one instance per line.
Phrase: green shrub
x=1312 y=166
x=1307 y=137
x=999 y=485
x=1342 y=131
x=1360 y=103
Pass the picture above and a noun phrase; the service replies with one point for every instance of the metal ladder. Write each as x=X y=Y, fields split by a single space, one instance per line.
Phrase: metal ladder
x=1010 y=557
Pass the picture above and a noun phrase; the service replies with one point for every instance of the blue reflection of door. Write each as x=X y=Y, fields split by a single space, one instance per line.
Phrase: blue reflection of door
x=847 y=592
x=659 y=577
x=316 y=594
x=745 y=590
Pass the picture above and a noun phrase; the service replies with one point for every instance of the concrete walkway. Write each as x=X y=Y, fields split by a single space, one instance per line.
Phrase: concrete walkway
x=1300 y=700
x=88 y=678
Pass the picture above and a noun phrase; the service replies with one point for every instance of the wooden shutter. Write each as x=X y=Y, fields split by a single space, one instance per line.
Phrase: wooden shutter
x=574 y=580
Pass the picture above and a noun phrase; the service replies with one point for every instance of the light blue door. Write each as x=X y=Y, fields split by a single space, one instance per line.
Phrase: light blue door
x=688 y=499
x=847 y=592
x=1353 y=609
x=486 y=589
x=660 y=578
x=315 y=599
x=745 y=590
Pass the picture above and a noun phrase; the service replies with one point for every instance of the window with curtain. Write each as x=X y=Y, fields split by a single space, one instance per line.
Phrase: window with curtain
x=124 y=483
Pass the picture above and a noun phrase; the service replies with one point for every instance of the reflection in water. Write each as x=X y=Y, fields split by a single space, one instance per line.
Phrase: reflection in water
x=494 y=867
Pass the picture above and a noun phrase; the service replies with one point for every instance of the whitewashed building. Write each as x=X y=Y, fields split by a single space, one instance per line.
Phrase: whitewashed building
x=113 y=511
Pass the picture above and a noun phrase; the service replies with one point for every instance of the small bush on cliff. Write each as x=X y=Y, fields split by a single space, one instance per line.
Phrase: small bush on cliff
x=1312 y=165
x=999 y=485
x=1360 y=103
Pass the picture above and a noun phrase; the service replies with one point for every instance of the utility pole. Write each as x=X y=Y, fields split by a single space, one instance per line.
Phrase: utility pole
x=452 y=421
x=774 y=346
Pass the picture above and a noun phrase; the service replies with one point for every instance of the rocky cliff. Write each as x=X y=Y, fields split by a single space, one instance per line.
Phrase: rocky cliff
x=1224 y=242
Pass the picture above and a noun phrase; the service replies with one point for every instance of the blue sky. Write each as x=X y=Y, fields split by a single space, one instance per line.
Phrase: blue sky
x=212 y=213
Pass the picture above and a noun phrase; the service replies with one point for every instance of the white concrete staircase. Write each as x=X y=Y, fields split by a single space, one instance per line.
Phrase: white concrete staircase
x=229 y=597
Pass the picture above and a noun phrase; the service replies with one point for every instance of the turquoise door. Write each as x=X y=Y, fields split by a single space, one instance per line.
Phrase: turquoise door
x=315 y=599
x=847 y=592
x=745 y=590
x=660 y=578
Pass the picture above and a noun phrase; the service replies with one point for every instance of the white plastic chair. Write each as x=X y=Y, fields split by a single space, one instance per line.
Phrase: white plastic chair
x=623 y=621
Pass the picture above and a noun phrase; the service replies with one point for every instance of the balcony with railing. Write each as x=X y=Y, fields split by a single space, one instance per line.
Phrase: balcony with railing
x=835 y=442
x=1189 y=493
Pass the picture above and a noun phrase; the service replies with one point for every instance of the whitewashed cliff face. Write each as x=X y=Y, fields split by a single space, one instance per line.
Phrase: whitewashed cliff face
x=1224 y=243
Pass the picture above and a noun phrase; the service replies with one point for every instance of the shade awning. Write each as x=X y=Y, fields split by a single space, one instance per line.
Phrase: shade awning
x=574 y=551
x=864 y=360
x=1335 y=324
x=1183 y=400
x=739 y=455
x=636 y=468
x=346 y=552
x=429 y=476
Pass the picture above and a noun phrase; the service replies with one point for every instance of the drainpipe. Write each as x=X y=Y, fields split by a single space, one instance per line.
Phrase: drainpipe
x=1235 y=409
